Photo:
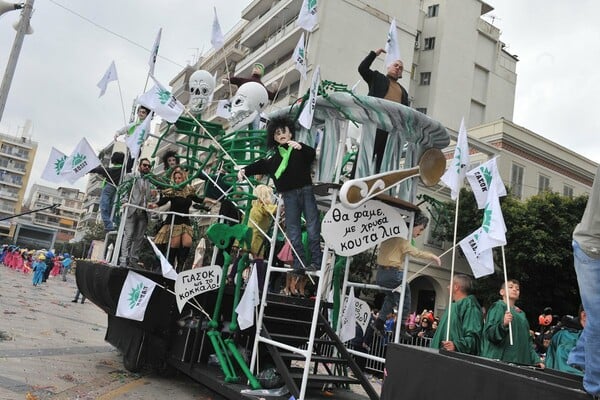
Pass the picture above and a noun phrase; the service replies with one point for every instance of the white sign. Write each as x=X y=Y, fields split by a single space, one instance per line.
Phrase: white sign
x=350 y=231
x=196 y=281
x=362 y=312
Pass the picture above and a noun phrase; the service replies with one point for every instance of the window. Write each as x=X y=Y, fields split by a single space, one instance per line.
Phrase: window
x=543 y=184
x=516 y=180
x=422 y=110
x=432 y=11
x=429 y=43
x=568 y=191
x=425 y=78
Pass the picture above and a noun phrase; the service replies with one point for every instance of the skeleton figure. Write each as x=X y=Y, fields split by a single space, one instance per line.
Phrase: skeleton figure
x=202 y=85
x=250 y=99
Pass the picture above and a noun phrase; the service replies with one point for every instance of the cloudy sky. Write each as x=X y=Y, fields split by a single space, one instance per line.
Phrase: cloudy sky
x=74 y=42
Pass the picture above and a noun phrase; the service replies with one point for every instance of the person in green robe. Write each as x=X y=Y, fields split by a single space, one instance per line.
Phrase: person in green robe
x=563 y=341
x=466 y=320
x=495 y=342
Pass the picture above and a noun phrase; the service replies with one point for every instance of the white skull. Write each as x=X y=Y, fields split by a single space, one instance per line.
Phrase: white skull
x=250 y=99
x=202 y=84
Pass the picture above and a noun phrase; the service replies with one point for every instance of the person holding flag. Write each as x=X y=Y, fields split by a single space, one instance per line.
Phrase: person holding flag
x=495 y=342
x=112 y=179
x=390 y=273
x=466 y=320
x=142 y=113
x=384 y=87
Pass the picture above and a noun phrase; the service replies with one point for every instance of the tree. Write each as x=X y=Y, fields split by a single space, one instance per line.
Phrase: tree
x=538 y=251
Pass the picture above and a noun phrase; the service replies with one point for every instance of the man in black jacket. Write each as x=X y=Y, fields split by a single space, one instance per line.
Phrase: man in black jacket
x=112 y=177
x=384 y=87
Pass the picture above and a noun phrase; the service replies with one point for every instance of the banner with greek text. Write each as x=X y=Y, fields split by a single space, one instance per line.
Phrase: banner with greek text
x=350 y=231
x=196 y=281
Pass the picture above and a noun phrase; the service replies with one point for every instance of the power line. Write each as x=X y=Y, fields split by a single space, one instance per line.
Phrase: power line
x=113 y=33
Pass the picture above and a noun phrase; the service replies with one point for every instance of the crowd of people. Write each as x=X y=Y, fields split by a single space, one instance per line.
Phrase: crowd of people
x=41 y=263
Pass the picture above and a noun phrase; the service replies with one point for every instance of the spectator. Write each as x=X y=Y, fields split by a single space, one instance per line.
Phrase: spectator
x=67 y=262
x=563 y=341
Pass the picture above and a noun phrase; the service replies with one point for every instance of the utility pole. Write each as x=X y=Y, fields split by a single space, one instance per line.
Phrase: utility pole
x=22 y=29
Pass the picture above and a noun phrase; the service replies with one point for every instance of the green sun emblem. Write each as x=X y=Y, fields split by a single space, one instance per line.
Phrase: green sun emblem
x=487 y=174
x=59 y=164
x=142 y=138
x=487 y=219
x=134 y=294
x=163 y=96
x=311 y=4
x=78 y=159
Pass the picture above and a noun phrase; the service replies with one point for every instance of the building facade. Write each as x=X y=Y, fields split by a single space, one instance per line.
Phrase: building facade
x=16 y=161
x=455 y=66
x=64 y=217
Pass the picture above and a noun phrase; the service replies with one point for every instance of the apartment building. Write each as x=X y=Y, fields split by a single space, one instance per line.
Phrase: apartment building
x=16 y=160
x=64 y=218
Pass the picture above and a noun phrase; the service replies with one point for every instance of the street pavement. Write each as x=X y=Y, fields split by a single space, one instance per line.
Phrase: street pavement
x=51 y=348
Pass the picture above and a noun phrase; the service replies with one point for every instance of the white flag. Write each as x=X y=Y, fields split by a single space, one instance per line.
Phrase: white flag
x=162 y=102
x=299 y=57
x=307 y=19
x=392 y=46
x=136 y=140
x=348 y=328
x=481 y=264
x=455 y=174
x=249 y=300
x=482 y=177
x=493 y=229
x=217 y=39
x=80 y=162
x=167 y=269
x=154 y=53
x=308 y=111
x=55 y=164
x=134 y=297
x=109 y=76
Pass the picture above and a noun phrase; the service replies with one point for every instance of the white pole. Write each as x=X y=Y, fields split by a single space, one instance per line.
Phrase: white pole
x=22 y=29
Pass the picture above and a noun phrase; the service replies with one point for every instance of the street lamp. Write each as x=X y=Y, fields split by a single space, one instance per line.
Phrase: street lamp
x=22 y=28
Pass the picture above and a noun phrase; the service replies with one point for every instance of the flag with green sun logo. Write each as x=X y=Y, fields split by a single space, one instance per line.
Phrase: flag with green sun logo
x=135 y=295
x=55 y=164
x=81 y=161
x=162 y=102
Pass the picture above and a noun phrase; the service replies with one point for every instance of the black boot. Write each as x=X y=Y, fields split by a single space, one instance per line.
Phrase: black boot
x=173 y=255
x=182 y=256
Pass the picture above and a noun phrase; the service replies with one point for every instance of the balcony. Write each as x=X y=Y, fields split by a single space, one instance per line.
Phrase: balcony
x=256 y=9
x=272 y=50
x=11 y=180
x=234 y=52
x=19 y=155
x=9 y=195
x=265 y=25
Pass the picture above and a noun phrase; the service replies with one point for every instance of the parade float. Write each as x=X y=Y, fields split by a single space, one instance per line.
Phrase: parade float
x=295 y=347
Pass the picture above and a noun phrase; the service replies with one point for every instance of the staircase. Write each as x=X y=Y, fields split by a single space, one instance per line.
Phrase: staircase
x=304 y=360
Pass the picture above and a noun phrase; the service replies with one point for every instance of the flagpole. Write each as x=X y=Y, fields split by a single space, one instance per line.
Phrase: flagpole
x=122 y=103
x=510 y=335
x=428 y=264
x=449 y=312
x=228 y=73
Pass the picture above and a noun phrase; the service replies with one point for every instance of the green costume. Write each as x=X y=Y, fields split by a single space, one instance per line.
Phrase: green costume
x=561 y=345
x=495 y=338
x=465 y=329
